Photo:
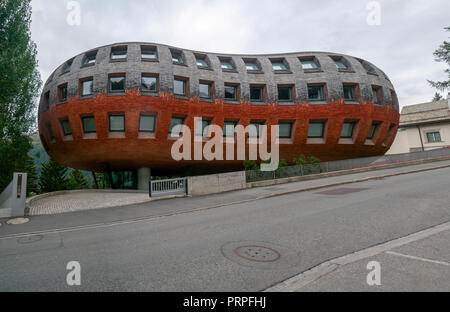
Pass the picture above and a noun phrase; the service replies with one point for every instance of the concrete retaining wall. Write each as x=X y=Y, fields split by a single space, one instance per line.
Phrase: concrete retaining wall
x=216 y=183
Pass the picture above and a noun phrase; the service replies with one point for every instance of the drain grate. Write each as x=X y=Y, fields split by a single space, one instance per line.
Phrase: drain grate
x=258 y=253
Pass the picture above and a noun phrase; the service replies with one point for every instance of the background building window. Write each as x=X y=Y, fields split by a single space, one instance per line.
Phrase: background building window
x=229 y=128
x=285 y=94
x=201 y=61
x=147 y=123
x=316 y=129
x=89 y=124
x=341 y=63
x=226 y=63
x=62 y=93
x=180 y=87
x=251 y=65
x=149 y=84
x=434 y=137
x=257 y=93
x=176 y=121
x=117 y=84
x=347 y=130
x=66 y=127
x=87 y=87
x=116 y=123
x=119 y=53
x=349 y=93
x=231 y=92
x=205 y=90
x=316 y=93
x=285 y=130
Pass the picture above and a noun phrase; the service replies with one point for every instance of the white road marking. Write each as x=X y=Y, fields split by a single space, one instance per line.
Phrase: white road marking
x=417 y=258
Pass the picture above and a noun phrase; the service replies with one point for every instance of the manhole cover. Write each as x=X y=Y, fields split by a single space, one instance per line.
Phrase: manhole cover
x=18 y=221
x=258 y=253
x=30 y=239
x=342 y=191
x=261 y=255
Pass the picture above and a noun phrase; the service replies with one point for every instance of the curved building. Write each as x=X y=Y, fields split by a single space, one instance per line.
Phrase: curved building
x=112 y=108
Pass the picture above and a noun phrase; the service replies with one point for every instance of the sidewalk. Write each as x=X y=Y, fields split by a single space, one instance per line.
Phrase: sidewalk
x=419 y=262
x=168 y=207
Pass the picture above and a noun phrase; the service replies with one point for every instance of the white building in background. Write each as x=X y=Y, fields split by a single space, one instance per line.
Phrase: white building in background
x=423 y=127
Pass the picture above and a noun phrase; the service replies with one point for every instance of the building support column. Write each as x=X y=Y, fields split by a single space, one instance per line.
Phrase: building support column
x=144 y=176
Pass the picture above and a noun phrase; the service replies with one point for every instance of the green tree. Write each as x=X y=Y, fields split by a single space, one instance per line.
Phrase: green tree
x=19 y=87
x=442 y=54
x=437 y=97
x=77 y=181
x=53 y=177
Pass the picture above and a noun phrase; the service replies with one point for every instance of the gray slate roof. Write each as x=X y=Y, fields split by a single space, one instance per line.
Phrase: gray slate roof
x=425 y=113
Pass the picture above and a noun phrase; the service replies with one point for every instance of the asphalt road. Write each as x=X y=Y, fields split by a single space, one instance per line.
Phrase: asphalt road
x=198 y=251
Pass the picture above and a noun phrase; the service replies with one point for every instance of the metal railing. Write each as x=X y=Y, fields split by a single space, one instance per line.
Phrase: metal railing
x=325 y=167
x=160 y=188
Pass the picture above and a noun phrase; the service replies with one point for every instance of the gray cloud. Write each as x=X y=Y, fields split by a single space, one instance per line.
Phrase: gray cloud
x=402 y=45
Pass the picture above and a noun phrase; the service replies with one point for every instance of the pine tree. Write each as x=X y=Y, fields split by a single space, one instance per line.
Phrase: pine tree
x=19 y=87
x=437 y=97
x=442 y=54
x=77 y=181
x=53 y=177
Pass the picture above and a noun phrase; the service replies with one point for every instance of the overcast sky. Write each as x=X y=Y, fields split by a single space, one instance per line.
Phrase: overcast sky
x=402 y=45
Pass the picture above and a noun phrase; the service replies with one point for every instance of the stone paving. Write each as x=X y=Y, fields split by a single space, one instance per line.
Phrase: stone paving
x=71 y=202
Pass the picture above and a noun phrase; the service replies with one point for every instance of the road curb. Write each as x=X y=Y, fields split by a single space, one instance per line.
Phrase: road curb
x=307 y=277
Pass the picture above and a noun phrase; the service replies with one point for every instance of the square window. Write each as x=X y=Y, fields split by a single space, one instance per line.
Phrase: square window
x=177 y=57
x=67 y=67
x=226 y=64
x=117 y=84
x=279 y=66
x=87 y=87
x=89 y=124
x=316 y=93
x=63 y=93
x=205 y=90
x=341 y=63
x=285 y=94
x=147 y=123
x=119 y=53
x=179 y=87
x=149 y=84
x=251 y=65
x=349 y=93
x=149 y=53
x=202 y=127
x=257 y=93
x=347 y=130
x=229 y=128
x=309 y=64
x=255 y=130
x=231 y=93
x=373 y=129
x=434 y=137
x=66 y=127
x=285 y=130
x=316 y=130
x=201 y=61
x=116 y=123
x=90 y=58
x=176 y=121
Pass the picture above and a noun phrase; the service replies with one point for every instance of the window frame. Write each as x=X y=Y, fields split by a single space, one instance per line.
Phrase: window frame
x=210 y=85
x=323 y=123
x=259 y=123
x=262 y=93
x=323 y=93
x=87 y=56
x=228 y=122
x=81 y=84
x=177 y=60
x=353 y=126
x=62 y=122
x=116 y=115
x=185 y=86
x=117 y=51
x=291 y=93
x=118 y=75
x=183 y=121
x=149 y=75
x=153 y=51
x=291 y=128
x=236 y=92
x=155 y=118
x=83 y=118
x=434 y=134
x=311 y=59
x=284 y=63
x=61 y=87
